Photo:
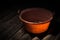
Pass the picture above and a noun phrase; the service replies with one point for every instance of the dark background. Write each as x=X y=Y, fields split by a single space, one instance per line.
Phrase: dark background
x=9 y=9
x=15 y=5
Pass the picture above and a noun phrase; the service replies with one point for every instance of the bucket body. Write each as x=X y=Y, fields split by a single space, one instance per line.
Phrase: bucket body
x=36 y=20
x=37 y=28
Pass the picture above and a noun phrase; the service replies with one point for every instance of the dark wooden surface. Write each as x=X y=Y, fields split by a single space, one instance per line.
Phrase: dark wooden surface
x=9 y=25
x=11 y=28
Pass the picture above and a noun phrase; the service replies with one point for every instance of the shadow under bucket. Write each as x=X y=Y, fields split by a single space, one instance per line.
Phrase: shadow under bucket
x=36 y=20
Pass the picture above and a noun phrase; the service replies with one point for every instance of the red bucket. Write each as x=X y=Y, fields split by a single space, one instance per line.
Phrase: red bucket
x=36 y=20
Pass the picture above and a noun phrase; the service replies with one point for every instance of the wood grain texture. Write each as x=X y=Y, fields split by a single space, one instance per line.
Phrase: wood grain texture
x=9 y=25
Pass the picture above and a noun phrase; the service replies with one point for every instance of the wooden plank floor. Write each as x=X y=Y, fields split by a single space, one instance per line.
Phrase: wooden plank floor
x=9 y=25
